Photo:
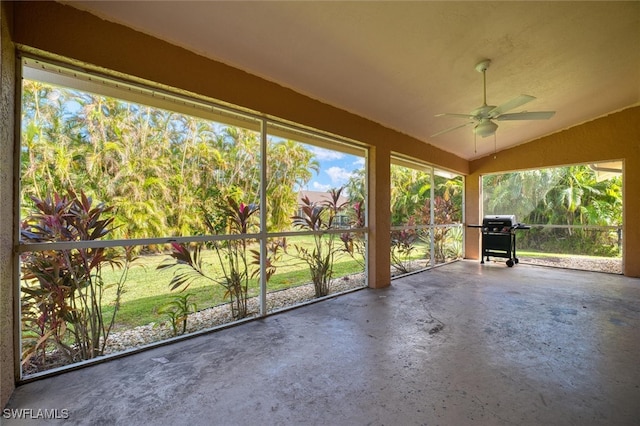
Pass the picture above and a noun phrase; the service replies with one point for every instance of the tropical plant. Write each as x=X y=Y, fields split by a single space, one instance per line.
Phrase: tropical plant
x=410 y=188
x=232 y=254
x=291 y=166
x=453 y=248
x=356 y=188
x=275 y=249
x=178 y=310
x=318 y=218
x=141 y=158
x=444 y=212
x=354 y=243
x=403 y=243
x=568 y=196
x=62 y=294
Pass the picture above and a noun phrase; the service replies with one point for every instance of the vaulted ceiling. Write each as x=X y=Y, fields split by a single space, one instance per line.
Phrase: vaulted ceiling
x=401 y=63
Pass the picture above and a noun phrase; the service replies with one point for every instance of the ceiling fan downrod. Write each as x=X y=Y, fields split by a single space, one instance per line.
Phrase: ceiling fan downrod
x=482 y=67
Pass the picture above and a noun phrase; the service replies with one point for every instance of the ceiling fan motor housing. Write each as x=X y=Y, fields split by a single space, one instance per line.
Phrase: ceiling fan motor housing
x=483 y=111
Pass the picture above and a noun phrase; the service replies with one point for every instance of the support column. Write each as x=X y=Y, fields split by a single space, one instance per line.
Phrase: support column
x=472 y=197
x=379 y=265
x=631 y=206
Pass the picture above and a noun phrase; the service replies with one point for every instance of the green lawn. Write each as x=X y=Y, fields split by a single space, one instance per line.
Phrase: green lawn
x=147 y=288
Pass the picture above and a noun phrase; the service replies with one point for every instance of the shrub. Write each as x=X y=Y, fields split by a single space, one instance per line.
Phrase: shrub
x=62 y=294
x=319 y=217
x=178 y=311
x=232 y=255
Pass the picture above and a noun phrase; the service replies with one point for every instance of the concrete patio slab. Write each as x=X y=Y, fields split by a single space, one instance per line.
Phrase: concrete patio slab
x=457 y=345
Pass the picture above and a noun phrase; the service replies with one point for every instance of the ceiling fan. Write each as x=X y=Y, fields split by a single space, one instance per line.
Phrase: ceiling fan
x=484 y=116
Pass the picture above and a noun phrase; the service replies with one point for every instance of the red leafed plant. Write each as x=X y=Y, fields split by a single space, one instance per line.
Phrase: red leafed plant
x=232 y=254
x=354 y=243
x=62 y=292
x=319 y=218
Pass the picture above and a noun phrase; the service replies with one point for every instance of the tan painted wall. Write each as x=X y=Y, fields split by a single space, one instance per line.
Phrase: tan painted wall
x=614 y=137
x=7 y=98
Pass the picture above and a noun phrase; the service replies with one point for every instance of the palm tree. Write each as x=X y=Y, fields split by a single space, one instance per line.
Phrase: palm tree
x=559 y=196
x=290 y=166
x=410 y=188
x=52 y=150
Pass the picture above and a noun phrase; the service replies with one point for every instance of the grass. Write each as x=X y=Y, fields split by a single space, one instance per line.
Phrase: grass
x=147 y=288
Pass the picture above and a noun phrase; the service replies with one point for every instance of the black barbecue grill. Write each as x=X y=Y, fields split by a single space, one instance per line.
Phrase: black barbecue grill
x=499 y=237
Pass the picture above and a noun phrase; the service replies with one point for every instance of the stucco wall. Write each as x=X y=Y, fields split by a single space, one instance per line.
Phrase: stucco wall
x=7 y=91
x=614 y=137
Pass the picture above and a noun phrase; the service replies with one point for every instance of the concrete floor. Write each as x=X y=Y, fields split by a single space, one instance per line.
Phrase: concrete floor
x=459 y=345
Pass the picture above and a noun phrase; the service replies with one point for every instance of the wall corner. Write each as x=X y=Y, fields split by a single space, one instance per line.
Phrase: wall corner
x=7 y=282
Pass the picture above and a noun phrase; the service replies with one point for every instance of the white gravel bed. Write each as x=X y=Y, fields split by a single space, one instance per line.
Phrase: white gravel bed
x=584 y=263
x=219 y=315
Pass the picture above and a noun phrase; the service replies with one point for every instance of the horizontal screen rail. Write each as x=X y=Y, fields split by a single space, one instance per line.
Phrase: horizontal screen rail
x=24 y=247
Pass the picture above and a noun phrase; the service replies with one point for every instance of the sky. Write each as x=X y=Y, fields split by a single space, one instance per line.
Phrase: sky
x=335 y=168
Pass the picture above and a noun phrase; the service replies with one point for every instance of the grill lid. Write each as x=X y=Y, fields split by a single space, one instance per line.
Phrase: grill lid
x=504 y=220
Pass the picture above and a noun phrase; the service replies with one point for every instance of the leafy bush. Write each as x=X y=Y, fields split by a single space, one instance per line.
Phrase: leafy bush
x=354 y=244
x=62 y=294
x=233 y=255
x=403 y=243
x=178 y=311
x=574 y=241
x=319 y=218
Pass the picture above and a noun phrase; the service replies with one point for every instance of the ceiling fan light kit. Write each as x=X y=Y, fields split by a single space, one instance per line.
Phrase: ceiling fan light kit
x=485 y=128
x=483 y=117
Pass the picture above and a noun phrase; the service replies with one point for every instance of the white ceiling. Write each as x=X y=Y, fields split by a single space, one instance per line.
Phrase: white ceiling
x=400 y=63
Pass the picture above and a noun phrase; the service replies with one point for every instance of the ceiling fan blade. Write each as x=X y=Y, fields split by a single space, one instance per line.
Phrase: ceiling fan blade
x=451 y=129
x=446 y=114
x=509 y=105
x=534 y=115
